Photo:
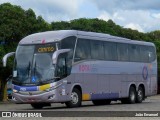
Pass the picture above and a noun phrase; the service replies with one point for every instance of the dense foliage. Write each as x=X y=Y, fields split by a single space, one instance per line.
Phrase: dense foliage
x=16 y=23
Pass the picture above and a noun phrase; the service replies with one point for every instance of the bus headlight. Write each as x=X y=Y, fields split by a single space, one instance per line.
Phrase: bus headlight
x=15 y=91
x=13 y=98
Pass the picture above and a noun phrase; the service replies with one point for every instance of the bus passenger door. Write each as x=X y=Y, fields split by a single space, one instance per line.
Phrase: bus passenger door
x=62 y=72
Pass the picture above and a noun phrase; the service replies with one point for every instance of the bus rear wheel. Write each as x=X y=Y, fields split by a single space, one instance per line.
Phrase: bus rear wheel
x=140 y=95
x=76 y=99
x=101 y=102
x=132 y=95
x=131 y=98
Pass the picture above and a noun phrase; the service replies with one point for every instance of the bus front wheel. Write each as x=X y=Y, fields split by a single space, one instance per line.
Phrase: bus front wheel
x=76 y=99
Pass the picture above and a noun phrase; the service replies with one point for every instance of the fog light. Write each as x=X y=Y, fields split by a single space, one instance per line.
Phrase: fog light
x=51 y=97
x=13 y=98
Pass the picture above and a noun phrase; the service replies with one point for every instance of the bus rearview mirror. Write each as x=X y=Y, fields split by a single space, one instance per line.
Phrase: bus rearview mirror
x=4 y=60
x=57 y=53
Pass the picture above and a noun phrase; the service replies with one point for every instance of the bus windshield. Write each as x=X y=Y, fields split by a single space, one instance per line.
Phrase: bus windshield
x=43 y=69
x=22 y=66
x=33 y=64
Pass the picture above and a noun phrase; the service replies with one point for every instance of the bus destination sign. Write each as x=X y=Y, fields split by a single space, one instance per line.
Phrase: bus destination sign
x=45 y=48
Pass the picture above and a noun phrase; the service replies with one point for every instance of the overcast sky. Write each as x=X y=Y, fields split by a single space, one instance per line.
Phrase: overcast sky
x=143 y=15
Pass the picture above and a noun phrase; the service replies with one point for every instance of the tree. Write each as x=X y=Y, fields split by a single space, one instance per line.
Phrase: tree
x=42 y=25
x=60 y=25
x=16 y=23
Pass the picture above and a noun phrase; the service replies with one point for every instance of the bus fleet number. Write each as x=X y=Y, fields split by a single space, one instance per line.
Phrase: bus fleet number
x=84 y=68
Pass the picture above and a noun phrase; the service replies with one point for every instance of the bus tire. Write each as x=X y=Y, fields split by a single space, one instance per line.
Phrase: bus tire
x=101 y=102
x=37 y=105
x=76 y=99
x=132 y=95
x=140 y=95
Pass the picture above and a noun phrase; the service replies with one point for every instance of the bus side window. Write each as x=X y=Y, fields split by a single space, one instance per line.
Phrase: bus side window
x=69 y=43
x=62 y=66
x=82 y=50
x=151 y=54
x=144 y=54
x=97 y=51
x=110 y=51
x=134 y=53
x=122 y=50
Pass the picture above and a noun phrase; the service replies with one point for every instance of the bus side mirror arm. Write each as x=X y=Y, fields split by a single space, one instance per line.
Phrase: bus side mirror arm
x=4 y=60
x=57 y=53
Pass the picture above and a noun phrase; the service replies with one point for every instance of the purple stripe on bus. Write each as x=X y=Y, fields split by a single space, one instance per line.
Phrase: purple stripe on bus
x=104 y=96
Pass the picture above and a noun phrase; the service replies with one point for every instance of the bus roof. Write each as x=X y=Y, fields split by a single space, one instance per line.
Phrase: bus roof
x=46 y=37
x=53 y=36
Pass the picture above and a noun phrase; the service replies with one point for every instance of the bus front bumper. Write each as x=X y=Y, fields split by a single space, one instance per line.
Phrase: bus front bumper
x=46 y=97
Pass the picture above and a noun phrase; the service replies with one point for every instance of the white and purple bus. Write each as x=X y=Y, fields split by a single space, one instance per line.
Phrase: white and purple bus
x=70 y=66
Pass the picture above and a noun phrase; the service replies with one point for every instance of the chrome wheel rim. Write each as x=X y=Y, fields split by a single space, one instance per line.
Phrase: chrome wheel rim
x=74 y=97
x=140 y=95
x=132 y=96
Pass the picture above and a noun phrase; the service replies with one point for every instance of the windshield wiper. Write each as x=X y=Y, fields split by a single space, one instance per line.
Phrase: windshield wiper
x=29 y=68
x=34 y=74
